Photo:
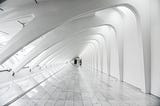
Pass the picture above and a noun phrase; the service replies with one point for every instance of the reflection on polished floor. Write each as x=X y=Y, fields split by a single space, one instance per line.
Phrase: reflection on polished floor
x=73 y=87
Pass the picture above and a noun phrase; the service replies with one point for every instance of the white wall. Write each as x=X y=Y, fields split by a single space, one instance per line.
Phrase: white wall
x=155 y=42
x=133 y=62
x=114 y=62
x=133 y=66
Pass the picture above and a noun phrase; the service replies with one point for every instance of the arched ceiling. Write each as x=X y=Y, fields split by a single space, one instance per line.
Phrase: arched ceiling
x=48 y=16
x=59 y=24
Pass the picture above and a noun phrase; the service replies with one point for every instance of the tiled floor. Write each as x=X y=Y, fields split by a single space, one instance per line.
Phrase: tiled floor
x=72 y=87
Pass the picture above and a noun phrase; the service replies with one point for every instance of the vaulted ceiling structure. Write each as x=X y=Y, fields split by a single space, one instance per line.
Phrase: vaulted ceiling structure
x=45 y=32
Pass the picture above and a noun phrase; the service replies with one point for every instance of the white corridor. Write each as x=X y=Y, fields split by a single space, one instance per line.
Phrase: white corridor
x=79 y=52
